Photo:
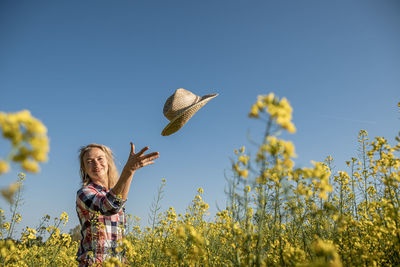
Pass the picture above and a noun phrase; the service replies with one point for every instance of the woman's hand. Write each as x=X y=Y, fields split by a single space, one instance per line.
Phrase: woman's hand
x=135 y=162
x=139 y=160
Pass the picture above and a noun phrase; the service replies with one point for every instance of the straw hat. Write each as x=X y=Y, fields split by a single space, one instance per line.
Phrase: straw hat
x=180 y=107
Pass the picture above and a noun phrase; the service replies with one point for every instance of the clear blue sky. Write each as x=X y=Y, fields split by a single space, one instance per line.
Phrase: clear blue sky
x=100 y=71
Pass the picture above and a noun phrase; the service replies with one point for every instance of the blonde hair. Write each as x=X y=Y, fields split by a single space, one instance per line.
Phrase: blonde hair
x=112 y=169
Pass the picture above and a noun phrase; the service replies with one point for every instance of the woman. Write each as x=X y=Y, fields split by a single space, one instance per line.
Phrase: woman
x=101 y=200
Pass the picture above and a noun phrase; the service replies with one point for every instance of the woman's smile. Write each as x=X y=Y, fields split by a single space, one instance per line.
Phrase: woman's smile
x=96 y=166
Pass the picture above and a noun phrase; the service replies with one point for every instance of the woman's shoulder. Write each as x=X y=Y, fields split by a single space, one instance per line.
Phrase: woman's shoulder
x=86 y=192
x=86 y=188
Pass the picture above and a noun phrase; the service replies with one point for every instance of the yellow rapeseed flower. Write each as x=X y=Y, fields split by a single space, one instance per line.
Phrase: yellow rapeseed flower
x=243 y=173
x=30 y=165
x=244 y=159
x=6 y=225
x=254 y=112
x=4 y=167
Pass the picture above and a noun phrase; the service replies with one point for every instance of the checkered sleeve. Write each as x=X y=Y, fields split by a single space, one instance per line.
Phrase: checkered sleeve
x=93 y=200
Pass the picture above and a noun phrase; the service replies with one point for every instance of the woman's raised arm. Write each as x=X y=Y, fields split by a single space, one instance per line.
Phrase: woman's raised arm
x=135 y=161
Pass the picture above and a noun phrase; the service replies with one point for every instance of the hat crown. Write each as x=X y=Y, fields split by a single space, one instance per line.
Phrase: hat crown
x=179 y=102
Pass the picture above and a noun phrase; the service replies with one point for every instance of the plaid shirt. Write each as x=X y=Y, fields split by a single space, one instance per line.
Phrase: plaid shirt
x=102 y=217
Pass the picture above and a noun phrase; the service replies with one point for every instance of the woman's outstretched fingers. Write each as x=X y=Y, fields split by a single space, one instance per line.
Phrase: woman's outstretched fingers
x=148 y=163
x=142 y=151
x=139 y=160
x=132 y=149
x=151 y=156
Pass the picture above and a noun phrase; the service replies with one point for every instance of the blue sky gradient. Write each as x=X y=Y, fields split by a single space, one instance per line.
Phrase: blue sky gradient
x=100 y=71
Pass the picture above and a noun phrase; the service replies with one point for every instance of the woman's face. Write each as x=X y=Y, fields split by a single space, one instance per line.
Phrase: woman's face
x=96 y=166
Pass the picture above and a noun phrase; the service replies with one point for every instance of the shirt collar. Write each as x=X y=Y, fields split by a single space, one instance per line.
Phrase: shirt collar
x=98 y=187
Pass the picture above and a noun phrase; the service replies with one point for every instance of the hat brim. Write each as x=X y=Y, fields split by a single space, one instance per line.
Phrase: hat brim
x=176 y=123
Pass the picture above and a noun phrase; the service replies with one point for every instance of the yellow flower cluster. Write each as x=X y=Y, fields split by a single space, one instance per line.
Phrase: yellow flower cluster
x=33 y=250
x=241 y=166
x=28 y=234
x=279 y=110
x=320 y=175
x=28 y=137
